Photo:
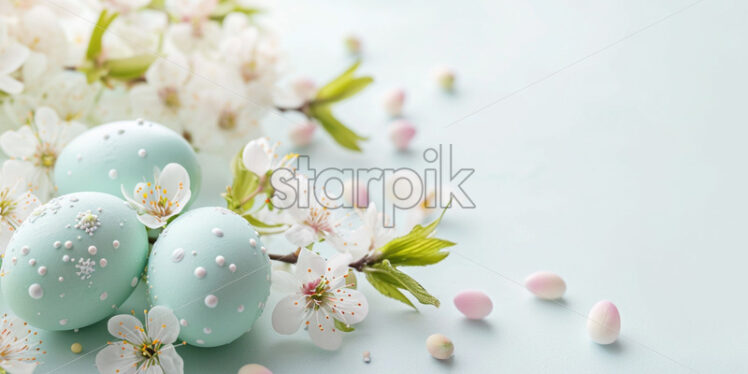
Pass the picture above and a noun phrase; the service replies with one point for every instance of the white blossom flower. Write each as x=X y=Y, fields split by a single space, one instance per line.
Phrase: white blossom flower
x=313 y=224
x=228 y=114
x=67 y=92
x=307 y=216
x=18 y=347
x=370 y=236
x=12 y=56
x=253 y=55
x=164 y=95
x=142 y=351
x=259 y=157
x=35 y=148
x=318 y=296
x=16 y=203
x=155 y=202
x=194 y=30
x=40 y=30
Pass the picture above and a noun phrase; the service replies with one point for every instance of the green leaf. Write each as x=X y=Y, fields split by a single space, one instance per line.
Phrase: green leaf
x=417 y=248
x=388 y=289
x=338 y=84
x=224 y=8
x=257 y=223
x=102 y=24
x=342 y=134
x=342 y=87
x=388 y=280
x=342 y=326
x=128 y=68
x=350 y=280
x=244 y=184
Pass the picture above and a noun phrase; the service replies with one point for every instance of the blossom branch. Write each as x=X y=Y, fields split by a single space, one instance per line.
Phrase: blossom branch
x=293 y=257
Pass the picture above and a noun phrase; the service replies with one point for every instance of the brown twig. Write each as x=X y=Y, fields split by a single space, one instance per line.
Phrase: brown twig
x=293 y=257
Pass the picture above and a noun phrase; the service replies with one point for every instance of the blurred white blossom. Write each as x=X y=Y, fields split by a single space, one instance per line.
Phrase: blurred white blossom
x=34 y=148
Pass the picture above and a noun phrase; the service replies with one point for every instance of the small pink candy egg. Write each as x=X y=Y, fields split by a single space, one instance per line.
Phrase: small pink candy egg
x=401 y=133
x=473 y=304
x=254 y=369
x=546 y=285
x=440 y=347
x=604 y=323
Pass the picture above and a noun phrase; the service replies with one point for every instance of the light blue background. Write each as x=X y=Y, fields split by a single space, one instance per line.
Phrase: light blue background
x=624 y=173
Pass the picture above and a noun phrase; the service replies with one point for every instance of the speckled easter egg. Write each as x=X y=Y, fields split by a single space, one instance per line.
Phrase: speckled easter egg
x=122 y=154
x=73 y=261
x=210 y=268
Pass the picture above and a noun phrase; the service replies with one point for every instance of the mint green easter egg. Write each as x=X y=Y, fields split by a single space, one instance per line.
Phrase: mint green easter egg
x=122 y=154
x=73 y=261
x=210 y=268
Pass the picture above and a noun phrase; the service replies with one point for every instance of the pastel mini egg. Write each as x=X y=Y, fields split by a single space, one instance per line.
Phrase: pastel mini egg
x=440 y=346
x=604 y=323
x=214 y=303
x=546 y=285
x=79 y=285
x=124 y=153
x=473 y=304
x=254 y=369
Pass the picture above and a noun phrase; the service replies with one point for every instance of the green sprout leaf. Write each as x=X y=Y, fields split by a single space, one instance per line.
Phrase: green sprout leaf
x=254 y=221
x=417 y=248
x=225 y=7
x=340 y=325
x=342 y=134
x=342 y=87
x=128 y=68
x=351 y=281
x=388 y=280
x=244 y=184
x=102 y=24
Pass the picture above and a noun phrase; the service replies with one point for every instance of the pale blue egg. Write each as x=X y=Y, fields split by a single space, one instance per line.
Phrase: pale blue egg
x=210 y=268
x=73 y=261
x=122 y=153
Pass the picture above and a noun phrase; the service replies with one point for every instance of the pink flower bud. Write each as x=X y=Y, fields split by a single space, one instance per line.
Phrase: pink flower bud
x=352 y=44
x=359 y=199
x=445 y=77
x=302 y=134
x=393 y=102
x=401 y=133
x=304 y=88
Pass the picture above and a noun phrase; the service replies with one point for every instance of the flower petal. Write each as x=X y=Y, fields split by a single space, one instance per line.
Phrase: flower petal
x=20 y=143
x=10 y=85
x=256 y=158
x=337 y=266
x=47 y=123
x=171 y=362
x=350 y=306
x=12 y=57
x=152 y=222
x=323 y=332
x=284 y=282
x=118 y=357
x=300 y=235
x=153 y=369
x=310 y=266
x=126 y=327
x=162 y=324
x=288 y=314
x=175 y=180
